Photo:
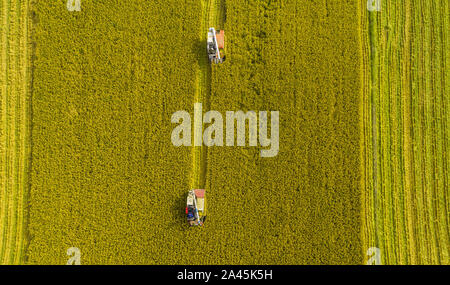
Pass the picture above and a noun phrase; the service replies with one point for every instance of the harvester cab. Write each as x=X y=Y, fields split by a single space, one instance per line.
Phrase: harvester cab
x=195 y=208
x=216 y=46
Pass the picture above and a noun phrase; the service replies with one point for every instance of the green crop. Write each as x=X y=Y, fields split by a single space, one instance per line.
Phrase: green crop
x=15 y=82
x=406 y=126
x=88 y=173
x=105 y=177
x=303 y=206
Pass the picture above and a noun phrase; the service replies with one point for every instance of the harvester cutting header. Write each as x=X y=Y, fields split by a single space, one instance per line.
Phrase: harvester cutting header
x=216 y=46
x=196 y=207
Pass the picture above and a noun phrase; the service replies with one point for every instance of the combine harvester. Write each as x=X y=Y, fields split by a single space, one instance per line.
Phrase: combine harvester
x=216 y=46
x=196 y=207
x=196 y=203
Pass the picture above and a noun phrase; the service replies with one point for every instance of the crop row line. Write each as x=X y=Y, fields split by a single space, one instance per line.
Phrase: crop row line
x=212 y=16
x=14 y=135
x=406 y=212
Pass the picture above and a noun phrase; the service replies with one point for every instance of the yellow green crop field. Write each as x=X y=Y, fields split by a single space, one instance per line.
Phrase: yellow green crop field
x=406 y=124
x=104 y=178
x=303 y=205
x=15 y=129
x=89 y=174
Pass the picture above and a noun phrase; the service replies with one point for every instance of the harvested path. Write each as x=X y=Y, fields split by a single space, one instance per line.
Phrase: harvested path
x=213 y=15
x=406 y=126
x=14 y=130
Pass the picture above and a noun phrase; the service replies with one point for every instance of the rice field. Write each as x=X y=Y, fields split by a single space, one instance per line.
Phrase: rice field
x=303 y=205
x=406 y=123
x=15 y=128
x=88 y=173
x=110 y=183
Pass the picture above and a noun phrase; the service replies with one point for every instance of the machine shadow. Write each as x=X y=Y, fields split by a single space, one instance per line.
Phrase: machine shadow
x=179 y=215
x=199 y=50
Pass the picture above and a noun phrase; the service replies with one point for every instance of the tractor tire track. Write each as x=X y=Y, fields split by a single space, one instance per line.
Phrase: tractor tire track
x=405 y=127
x=212 y=16
x=14 y=134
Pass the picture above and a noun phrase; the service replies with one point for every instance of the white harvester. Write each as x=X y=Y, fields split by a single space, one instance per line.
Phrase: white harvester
x=216 y=46
x=196 y=207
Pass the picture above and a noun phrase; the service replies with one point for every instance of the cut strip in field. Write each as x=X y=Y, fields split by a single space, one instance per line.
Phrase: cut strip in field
x=213 y=15
x=406 y=123
x=14 y=129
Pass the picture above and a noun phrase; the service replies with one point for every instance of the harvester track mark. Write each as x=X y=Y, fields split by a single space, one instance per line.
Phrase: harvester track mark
x=212 y=16
x=405 y=133
x=14 y=133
